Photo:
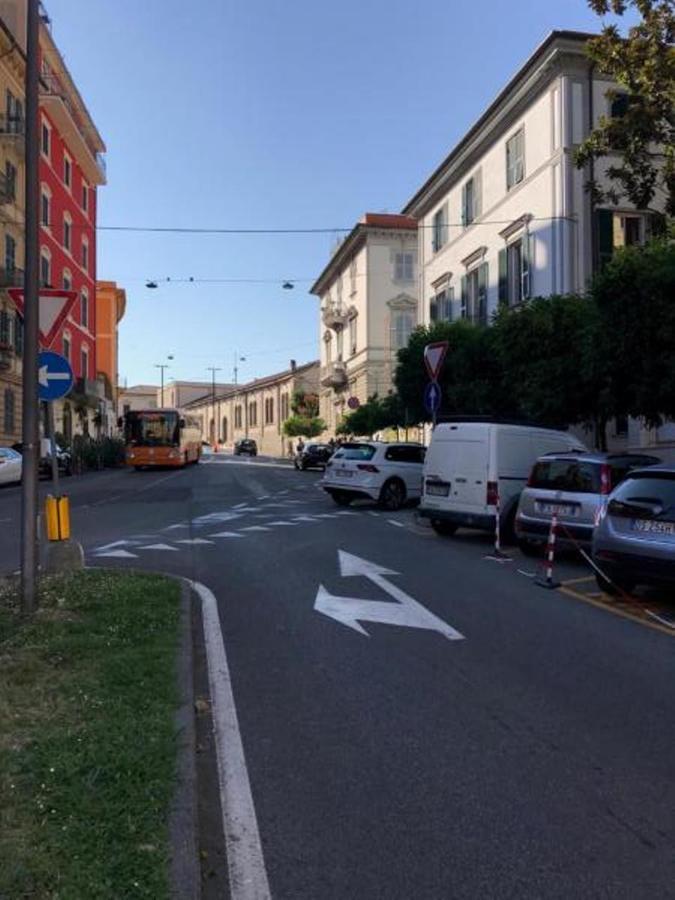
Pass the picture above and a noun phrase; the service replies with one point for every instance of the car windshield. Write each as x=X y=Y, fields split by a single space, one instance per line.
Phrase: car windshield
x=152 y=429
x=356 y=451
x=570 y=475
x=645 y=498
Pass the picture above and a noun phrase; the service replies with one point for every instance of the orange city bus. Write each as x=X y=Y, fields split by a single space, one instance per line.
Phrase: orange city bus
x=161 y=437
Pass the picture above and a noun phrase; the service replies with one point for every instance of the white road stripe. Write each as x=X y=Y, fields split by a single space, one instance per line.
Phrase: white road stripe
x=282 y=523
x=240 y=505
x=397 y=524
x=118 y=554
x=255 y=528
x=194 y=541
x=248 y=877
x=159 y=547
x=227 y=534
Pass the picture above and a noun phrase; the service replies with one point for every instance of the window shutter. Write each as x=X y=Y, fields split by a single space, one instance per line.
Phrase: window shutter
x=526 y=267
x=18 y=334
x=433 y=309
x=465 y=217
x=503 y=276
x=605 y=235
x=478 y=194
x=4 y=327
x=465 y=296
x=482 y=293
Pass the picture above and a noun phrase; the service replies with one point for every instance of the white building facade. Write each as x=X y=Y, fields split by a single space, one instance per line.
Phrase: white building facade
x=506 y=216
x=369 y=307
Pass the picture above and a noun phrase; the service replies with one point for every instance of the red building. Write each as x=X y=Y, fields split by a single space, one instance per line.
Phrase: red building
x=71 y=170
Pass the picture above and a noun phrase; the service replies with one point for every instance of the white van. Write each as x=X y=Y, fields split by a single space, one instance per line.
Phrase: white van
x=470 y=465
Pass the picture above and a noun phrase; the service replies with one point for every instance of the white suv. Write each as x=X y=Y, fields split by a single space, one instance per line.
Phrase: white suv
x=391 y=474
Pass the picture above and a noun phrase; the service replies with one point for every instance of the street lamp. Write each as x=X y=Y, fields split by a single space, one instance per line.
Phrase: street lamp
x=237 y=360
x=161 y=367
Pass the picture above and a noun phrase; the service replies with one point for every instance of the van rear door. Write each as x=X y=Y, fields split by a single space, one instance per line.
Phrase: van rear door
x=455 y=469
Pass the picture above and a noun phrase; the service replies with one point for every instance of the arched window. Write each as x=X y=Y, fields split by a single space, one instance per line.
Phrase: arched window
x=84 y=308
x=67 y=231
x=223 y=432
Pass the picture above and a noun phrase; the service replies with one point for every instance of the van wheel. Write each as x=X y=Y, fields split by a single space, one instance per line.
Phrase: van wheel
x=527 y=548
x=445 y=529
x=341 y=499
x=392 y=495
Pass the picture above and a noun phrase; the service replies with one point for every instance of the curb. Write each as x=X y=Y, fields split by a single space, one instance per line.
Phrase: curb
x=183 y=819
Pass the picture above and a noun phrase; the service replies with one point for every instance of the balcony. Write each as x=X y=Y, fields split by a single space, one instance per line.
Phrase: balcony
x=11 y=277
x=335 y=317
x=6 y=355
x=12 y=128
x=7 y=189
x=92 y=392
x=334 y=375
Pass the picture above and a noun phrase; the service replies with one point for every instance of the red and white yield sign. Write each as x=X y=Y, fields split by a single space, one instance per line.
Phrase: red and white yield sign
x=434 y=354
x=55 y=305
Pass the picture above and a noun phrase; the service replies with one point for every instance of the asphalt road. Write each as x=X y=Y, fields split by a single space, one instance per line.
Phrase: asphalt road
x=532 y=758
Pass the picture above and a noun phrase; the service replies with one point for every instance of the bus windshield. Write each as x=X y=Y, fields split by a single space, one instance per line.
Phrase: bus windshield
x=150 y=429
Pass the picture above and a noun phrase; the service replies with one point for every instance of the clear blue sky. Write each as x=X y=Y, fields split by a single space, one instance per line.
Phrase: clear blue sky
x=230 y=113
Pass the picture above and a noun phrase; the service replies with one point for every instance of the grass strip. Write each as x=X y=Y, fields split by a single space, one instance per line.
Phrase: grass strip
x=87 y=739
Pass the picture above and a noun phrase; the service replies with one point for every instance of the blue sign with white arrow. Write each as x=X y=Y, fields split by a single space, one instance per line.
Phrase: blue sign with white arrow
x=55 y=377
x=432 y=397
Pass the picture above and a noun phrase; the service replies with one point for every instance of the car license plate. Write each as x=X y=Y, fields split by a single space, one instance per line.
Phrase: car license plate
x=649 y=526
x=438 y=490
x=560 y=509
x=344 y=473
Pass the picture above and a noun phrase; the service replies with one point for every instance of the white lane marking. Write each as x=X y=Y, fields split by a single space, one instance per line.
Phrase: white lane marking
x=264 y=497
x=280 y=522
x=371 y=513
x=239 y=505
x=345 y=512
x=246 y=864
x=194 y=541
x=351 y=611
x=255 y=528
x=397 y=524
x=214 y=518
x=172 y=527
x=159 y=547
x=283 y=492
x=226 y=534
x=326 y=515
x=113 y=545
x=118 y=554
x=304 y=518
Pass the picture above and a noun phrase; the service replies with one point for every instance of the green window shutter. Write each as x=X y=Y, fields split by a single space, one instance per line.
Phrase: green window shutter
x=482 y=294
x=503 y=276
x=605 y=231
x=478 y=194
x=465 y=296
x=4 y=327
x=18 y=334
x=433 y=309
x=526 y=267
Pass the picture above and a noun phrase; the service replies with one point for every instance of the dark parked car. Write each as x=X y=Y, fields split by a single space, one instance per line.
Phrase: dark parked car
x=64 y=459
x=634 y=541
x=313 y=456
x=246 y=446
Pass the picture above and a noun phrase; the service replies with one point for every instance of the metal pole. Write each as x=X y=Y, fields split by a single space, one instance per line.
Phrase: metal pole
x=29 y=480
x=161 y=402
x=214 y=433
x=52 y=448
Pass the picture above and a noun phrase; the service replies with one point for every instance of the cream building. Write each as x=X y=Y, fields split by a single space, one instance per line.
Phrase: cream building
x=257 y=409
x=369 y=307
x=180 y=393
x=139 y=396
x=506 y=215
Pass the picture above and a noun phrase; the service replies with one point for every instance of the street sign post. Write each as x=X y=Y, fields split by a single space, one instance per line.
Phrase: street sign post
x=434 y=354
x=432 y=398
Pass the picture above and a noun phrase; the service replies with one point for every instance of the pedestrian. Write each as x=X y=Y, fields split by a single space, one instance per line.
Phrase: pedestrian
x=301 y=445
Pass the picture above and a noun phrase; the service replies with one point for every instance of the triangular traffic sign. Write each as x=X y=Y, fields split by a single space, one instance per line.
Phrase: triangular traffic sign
x=434 y=354
x=55 y=306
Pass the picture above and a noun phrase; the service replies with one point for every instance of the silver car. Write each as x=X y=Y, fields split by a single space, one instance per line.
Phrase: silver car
x=575 y=486
x=634 y=542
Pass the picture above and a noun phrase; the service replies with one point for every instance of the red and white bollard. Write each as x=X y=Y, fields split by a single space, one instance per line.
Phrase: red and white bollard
x=548 y=581
x=498 y=554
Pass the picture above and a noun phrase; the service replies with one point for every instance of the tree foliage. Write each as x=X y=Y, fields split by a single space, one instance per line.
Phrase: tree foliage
x=305 y=404
x=643 y=137
x=375 y=415
x=304 y=426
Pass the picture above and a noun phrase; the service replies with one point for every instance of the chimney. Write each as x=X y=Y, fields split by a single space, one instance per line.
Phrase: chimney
x=294 y=365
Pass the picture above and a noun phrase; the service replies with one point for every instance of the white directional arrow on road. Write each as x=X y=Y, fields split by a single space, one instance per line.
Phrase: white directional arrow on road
x=351 y=611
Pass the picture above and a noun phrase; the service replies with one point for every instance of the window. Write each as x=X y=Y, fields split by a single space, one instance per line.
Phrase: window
x=45 y=269
x=85 y=197
x=84 y=309
x=85 y=254
x=66 y=346
x=46 y=139
x=45 y=204
x=618 y=106
x=352 y=276
x=269 y=410
x=617 y=229
x=13 y=113
x=10 y=180
x=352 y=336
x=403 y=267
x=440 y=309
x=402 y=324
x=474 y=295
x=515 y=159
x=253 y=414
x=10 y=253
x=237 y=417
x=67 y=280
x=472 y=199
x=84 y=362
x=439 y=229
x=67 y=231
x=8 y=418
x=565 y=475
x=18 y=334
x=404 y=454
x=4 y=328
x=361 y=452
x=67 y=171
x=284 y=407
x=515 y=271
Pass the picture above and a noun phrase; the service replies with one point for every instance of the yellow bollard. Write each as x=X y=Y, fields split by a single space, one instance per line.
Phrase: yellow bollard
x=57 y=518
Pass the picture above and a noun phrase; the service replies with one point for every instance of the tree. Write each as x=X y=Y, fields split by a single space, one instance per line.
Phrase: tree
x=302 y=426
x=471 y=378
x=375 y=415
x=642 y=132
x=633 y=296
